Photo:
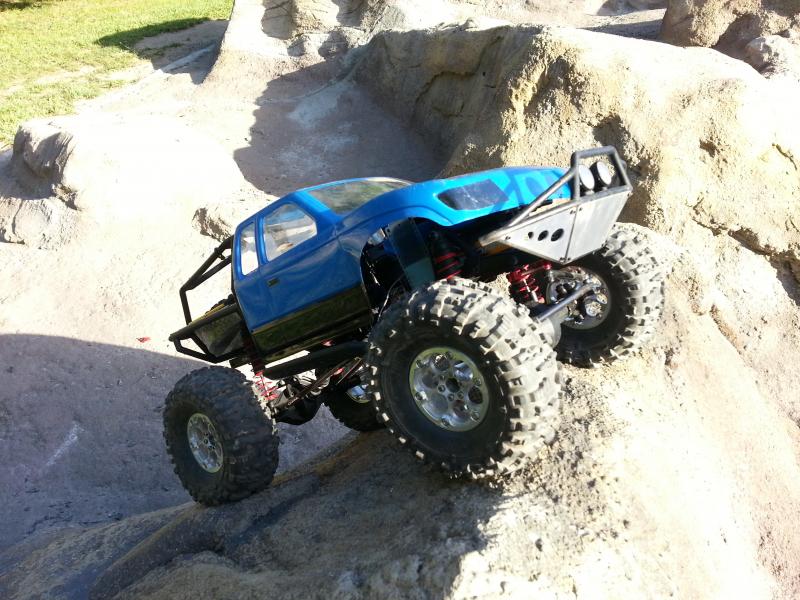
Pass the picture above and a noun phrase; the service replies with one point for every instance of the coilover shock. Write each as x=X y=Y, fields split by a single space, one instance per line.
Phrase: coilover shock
x=525 y=282
x=448 y=259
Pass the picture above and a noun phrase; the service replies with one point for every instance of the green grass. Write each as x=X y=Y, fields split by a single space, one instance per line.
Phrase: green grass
x=55 y=39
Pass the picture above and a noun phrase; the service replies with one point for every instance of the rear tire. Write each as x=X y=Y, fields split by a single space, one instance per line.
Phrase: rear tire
x=359 y=416
x=636 y=292
x=224 y=447
x=498 y=359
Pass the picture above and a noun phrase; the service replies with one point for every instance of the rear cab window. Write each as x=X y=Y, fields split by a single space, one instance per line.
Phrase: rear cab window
x=345 y=196
x=285 y=228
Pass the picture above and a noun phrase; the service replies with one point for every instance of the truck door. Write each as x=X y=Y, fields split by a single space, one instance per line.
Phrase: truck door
x=250 y=292
x=313 y=286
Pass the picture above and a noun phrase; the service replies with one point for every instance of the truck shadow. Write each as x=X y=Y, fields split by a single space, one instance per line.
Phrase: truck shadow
x=80 y=432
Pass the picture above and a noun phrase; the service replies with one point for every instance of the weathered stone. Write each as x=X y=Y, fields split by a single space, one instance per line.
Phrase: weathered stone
x=727 y=25
x=776 y=56
x=707 y=140
x=106 y=165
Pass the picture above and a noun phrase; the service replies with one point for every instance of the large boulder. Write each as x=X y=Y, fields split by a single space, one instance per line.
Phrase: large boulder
x=119 y=166
x=727 y=25
x=708 y=142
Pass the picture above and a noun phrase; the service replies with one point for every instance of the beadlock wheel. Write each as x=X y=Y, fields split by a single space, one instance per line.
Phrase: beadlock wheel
x=500 y=363
x=632 y=281
x=449 y=388
x=204 y=442
x=224 y=447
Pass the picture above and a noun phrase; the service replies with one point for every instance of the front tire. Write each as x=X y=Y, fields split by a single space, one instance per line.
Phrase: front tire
x=224 y=447
x=635 y=284
x=459 y=337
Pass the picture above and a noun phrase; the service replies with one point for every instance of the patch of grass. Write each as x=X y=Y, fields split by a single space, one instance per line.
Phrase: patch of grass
x=54 y=52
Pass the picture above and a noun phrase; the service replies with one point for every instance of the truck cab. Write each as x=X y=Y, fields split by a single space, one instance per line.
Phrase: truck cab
x=296 y=283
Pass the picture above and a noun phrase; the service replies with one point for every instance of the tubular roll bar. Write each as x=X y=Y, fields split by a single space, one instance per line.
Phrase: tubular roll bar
x=572 y=176
x=207 y=270
x=204 y=274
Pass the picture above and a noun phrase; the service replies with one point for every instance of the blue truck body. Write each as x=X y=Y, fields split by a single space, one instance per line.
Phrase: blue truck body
x=328 y=264
x=315 y=267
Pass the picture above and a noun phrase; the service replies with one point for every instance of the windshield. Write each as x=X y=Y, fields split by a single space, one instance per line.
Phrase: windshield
x=343 y=197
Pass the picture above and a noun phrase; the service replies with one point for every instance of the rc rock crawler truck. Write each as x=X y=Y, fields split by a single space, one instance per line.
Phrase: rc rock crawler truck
x=384 y=284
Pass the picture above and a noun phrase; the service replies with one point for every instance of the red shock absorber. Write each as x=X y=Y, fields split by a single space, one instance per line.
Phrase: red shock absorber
x=524 y=282
x=266 y=388
x=448 y=259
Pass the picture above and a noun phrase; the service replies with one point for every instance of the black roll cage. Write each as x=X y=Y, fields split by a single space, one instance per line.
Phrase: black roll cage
x=206 y=271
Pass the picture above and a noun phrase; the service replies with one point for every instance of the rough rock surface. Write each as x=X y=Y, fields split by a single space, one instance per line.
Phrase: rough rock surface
x=776 y=56
x=727 y=25
x=218 y=220
x=639 y=479
x=499 y=94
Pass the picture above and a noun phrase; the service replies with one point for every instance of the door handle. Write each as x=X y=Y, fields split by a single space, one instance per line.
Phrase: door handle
x=273 y=281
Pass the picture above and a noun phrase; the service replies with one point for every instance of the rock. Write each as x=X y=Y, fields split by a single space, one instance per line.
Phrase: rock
x=220 y=219
x=366 y=520
x=700 y=132
x=727 y=25
x=775 y=56
x=286 y=19
x=107 y=166
x=41 y=223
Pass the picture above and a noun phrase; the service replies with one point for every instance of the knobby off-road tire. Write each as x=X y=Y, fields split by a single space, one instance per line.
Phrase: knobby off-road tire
x=522 y=377
x=246 y=434
x=635 y=282
x=359 y=416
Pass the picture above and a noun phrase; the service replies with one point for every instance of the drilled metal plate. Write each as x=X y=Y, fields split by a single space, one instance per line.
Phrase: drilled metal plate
x=545 y=234
x=593 y=222
x=563 y=233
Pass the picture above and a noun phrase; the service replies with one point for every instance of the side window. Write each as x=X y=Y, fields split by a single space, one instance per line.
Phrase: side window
x=285 y=228
x=247 y=249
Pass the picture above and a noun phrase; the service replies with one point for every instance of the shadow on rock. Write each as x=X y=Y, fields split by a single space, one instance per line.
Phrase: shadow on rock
x=80 y=432
x=312 y=126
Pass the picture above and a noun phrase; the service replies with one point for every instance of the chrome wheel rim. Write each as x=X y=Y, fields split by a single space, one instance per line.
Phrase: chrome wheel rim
x=593 y=308
x=204 y=442
x=449 y=389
